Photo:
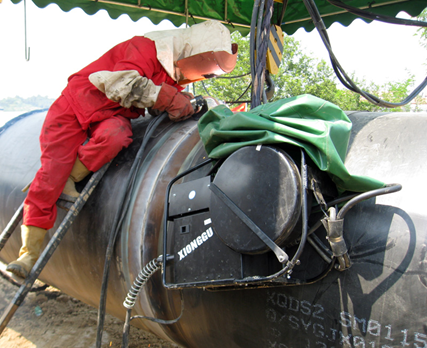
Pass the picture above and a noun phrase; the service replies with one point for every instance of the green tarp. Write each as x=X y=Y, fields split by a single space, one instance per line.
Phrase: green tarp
x=235 y=13
x=319 y=127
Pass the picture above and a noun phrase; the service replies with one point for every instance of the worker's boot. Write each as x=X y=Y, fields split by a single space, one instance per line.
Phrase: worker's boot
x=32 y=240
x=78 y=173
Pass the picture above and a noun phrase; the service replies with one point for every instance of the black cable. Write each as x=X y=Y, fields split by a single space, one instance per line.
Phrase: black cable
x=224 y=77
x=304 y=211
x=237 y=100
x=375 y=16
x=339 y=71
x=320 y=248
x=230 y=102
x=204 y=87
x=12 y=225
x=323 y=274
x=144 y=275
x=337 y=201
x=126 y=329
x=366 y=195
x=194 y=19
x=266 y=28
x=282 y=14
x=252 y=47
x=259 y=44
x=120 y=215
x=258 y=67
x=340 y=200
x=163 y=321
x=12 y=281
x=232 y=77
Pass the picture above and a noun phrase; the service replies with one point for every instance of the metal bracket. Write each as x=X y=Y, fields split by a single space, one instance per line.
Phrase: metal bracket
x=280 y=254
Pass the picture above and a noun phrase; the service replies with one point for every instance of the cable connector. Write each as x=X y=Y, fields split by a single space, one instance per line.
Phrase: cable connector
x=334 y=228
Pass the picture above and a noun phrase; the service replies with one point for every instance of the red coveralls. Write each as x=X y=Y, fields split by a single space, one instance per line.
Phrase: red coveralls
x=81 y=111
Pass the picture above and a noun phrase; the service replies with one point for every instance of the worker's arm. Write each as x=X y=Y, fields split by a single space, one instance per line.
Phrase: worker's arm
x=128 y=88
x=130 y=84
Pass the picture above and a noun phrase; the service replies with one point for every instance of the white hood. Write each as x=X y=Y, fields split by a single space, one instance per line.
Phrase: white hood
x=173 y=45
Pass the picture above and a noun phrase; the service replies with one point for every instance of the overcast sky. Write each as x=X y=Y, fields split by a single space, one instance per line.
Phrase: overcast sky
x=63 y=43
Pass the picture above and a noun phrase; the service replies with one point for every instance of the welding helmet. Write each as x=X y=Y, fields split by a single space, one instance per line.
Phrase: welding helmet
x=202 y=51
x=206 y=65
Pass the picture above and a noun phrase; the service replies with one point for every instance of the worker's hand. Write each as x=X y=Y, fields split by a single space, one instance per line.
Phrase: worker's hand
x=188 y=94
x=176 y=104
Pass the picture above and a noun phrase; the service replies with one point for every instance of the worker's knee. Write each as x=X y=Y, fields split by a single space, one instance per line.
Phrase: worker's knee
x=117 y=142
x=113 y=134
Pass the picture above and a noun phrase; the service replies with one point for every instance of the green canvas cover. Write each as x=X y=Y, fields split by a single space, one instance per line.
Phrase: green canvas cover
x=236 y=14
x=321 y=128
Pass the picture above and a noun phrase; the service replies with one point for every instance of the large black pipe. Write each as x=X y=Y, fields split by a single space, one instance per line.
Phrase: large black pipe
x=378 y=302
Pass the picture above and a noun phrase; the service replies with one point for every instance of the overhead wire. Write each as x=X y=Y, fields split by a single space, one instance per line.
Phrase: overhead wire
x=259 y=40
x=260 y=33
x=240 y=96
x=225 y=77
x=257 y=64
x=232 y=77
x=204 y=87
x=342 y=75
x=376 y=16
x=282 y=14
x=252 y=47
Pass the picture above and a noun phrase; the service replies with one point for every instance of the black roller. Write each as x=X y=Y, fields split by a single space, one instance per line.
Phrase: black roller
x=265 y=184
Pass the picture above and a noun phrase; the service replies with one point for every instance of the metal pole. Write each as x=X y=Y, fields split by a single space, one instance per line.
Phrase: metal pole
x=13 y=223
x=51 y=247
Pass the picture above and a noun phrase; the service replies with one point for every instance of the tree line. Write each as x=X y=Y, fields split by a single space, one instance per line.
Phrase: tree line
x=299 y=74
x=25 y=104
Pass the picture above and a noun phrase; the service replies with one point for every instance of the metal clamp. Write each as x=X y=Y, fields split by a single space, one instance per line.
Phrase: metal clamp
x=334 y=228
x=280 y=254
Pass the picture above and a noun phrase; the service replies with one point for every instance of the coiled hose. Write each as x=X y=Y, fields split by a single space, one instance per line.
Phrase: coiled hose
x=152 y=267
x=144 y=275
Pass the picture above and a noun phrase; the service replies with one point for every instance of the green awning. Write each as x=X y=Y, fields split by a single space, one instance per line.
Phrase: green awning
x=321 y=128
x=235 y=13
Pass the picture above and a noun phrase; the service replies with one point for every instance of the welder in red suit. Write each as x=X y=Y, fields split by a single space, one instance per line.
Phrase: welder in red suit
x=99 y=102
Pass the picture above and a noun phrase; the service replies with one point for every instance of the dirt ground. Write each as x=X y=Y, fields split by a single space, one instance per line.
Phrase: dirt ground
x=64 y=322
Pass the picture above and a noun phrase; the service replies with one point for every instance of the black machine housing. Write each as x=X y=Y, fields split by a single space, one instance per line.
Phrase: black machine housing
x=230 y=227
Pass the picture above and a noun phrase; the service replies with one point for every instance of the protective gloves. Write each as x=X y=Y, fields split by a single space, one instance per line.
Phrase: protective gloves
x=176 y=104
